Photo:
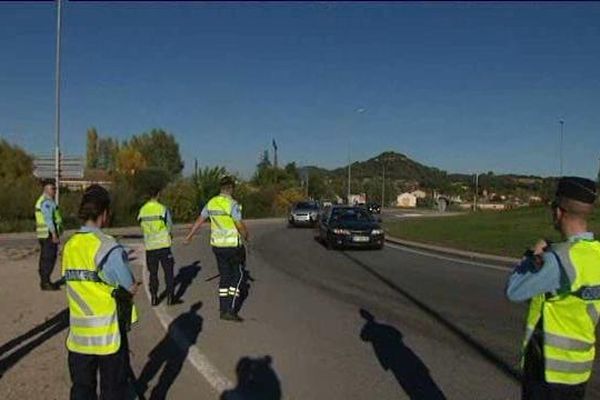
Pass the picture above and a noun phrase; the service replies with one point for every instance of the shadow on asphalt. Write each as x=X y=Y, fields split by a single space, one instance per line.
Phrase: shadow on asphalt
x=169 y=355
x=487 y=354
x=393 y=355
x=256 y=380
x=185 y=277
x=46 y=331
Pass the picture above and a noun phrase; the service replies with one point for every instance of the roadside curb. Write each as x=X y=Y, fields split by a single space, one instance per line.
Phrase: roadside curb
x=450 y=251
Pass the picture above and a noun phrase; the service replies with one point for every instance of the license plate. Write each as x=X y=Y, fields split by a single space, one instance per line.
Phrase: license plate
x=360 y=239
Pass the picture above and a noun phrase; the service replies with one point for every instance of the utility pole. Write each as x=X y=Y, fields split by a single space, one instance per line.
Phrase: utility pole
x=475 y=197
x=57 y=116
x=349 y=175
x=383 y=186
x=562 y=124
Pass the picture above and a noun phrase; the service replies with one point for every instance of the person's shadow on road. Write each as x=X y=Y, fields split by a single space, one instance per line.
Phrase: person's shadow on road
x=171 y=353
x=256 y=380
x=185 y=277
x=393 y=355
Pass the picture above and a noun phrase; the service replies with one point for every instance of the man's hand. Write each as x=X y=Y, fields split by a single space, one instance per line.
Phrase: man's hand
x=55 y=238
x=539 y=247
x=187 y=240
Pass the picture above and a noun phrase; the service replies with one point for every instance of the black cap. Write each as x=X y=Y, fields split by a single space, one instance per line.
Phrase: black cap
x=227 y=181
x=576 y=188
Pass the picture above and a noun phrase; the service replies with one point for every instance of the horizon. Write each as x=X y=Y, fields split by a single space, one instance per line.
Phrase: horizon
x=465 y=88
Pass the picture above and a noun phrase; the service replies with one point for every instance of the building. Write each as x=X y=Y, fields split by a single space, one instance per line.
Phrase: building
x=406 y=200
x=419 y=194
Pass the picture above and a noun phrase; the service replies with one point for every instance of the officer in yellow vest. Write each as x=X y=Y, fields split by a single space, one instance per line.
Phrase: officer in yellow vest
x=226 y=235
x=96 y=270
x=48 y=221
x=155 y=220
x=562 y=283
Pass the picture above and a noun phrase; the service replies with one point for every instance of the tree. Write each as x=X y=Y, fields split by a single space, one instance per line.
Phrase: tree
x=180 y=197
x=18 y=187
x=160 y=150
x=130 y=160
x=92 y=149
x=265 y=162
x=207 y=181
x=104 y=157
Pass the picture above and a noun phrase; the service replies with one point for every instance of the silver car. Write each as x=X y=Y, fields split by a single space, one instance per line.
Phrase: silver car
x=304 y=213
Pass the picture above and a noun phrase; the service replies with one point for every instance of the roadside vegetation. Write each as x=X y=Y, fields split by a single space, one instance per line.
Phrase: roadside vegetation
x=506 y=233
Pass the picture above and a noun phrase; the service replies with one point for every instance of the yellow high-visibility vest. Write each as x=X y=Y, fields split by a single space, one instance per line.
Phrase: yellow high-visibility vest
x=223 y=232
x=41 y=228
x=94 y=325
x=568 y=320
x=152 y=218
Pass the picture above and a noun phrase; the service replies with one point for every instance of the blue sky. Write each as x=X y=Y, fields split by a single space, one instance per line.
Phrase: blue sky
x=464 y=87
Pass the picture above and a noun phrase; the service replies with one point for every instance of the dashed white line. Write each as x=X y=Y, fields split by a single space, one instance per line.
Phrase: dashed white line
x=211 y=374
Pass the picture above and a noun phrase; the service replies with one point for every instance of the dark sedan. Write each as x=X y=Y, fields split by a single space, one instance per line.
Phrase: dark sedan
x=342 y=226
x=373 y=208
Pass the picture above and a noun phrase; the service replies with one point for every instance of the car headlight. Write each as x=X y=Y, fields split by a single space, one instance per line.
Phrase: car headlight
x=338 y=231
x=377 y=232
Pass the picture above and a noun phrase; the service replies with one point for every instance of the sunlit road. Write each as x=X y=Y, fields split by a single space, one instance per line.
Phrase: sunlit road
x=429 y=327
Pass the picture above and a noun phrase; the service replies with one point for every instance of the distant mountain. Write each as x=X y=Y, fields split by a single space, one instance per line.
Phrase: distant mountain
x=402 y=169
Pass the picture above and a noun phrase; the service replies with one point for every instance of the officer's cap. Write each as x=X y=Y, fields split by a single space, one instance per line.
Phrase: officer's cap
x=227 y=181
x=576 y=188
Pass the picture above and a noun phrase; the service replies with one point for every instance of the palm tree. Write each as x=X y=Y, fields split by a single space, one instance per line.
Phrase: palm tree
x=207 y=181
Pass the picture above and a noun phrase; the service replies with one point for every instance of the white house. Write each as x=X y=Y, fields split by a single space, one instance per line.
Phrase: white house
x=419 y=194
x=406 y=200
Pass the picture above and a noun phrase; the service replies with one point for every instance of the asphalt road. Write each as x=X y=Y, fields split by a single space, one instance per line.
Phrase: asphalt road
x=387 y=324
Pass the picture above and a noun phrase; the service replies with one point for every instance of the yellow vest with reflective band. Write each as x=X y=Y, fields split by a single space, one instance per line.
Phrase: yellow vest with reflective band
x=94 y=325
x=152 y=218
x=223 y=232
x=40 y=223
x=568 y=319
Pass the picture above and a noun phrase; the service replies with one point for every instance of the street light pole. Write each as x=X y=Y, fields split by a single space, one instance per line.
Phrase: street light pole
x=349 y=175
x=475 y=198
x=562 y=124
x=57 y=82
x=383 y=185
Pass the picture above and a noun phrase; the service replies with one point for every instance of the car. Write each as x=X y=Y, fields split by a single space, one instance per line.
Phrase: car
x=347 y=226
x=373 y=208
x=304 y=213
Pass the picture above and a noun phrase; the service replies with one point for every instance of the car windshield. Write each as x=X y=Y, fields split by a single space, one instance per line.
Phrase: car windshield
x=306 y=206
x=351 y=214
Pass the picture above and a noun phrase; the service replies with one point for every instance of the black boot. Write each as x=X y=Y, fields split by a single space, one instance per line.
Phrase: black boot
x=172 y=301
x=229 y=316
x=48 y=287
x=154 y=300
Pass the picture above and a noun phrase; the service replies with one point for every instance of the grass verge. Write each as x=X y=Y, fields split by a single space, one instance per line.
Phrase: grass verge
x=506 y=233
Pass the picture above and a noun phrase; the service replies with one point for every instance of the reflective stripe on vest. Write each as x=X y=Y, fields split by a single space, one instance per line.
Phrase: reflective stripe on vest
x=154 y=226
x=41 y=229
x=223 y=232
x=94 y=326
x=568 y=319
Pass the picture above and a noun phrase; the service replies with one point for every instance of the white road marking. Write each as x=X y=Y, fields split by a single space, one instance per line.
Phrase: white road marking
x=213 y=376
x=446 y=258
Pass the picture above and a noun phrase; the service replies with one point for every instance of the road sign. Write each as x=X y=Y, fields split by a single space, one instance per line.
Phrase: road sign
x=71 y=167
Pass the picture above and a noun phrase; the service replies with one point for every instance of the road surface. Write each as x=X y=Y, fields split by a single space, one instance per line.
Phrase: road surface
x=387 y=324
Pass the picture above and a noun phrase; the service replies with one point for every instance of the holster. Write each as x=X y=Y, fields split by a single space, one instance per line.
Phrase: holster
x=124 y=301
